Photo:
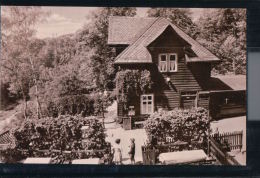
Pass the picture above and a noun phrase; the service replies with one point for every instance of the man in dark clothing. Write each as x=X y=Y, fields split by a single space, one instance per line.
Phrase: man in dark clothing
x=132 y=151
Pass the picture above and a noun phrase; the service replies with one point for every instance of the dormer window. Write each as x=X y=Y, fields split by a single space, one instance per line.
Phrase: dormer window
x=163 y=62
x=168 y=62
x=173 y=62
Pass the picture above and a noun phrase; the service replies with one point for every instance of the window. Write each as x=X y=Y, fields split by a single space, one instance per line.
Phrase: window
x=173 y=62
x=168 y=62
x=147 y=104
x=163 y=62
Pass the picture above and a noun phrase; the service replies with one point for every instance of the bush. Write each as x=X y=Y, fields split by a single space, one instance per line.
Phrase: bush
x=63 y=133
x=72 y=105
x=185 y=125
x=84 y=104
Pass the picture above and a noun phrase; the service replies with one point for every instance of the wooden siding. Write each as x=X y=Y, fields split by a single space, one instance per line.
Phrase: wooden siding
x=167 y=95
x=227 y=103
x=201 y=72
x=170 y=42
x=203 y=100
x=168 y=99
x=120 y=109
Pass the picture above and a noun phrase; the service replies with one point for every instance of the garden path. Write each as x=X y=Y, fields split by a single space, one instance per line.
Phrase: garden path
x=125 y=135
x=115 y=131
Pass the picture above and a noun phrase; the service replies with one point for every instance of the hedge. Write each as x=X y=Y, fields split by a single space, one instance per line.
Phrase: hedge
x=63 y=133
x=181 y=124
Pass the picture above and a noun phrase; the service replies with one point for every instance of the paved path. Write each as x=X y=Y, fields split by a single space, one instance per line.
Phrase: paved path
x=125 y=135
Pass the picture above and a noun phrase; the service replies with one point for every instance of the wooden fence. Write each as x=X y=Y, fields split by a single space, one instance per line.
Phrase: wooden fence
x=150 y=154
x=217 y=152
x=222 y=143
x=234 y=140
x=6 y=140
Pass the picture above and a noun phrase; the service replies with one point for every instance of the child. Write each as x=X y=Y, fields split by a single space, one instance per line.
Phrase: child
x=117 y=150
x=132 y=151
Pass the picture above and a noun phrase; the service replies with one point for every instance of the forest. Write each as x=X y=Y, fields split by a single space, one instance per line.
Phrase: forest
x=69 y=74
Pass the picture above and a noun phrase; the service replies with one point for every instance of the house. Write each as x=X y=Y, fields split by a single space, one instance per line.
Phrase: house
x=179 y=66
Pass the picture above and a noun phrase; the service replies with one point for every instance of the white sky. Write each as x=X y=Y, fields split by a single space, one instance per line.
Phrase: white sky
x=65 y=20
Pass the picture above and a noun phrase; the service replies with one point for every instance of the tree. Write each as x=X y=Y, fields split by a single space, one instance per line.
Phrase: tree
x=178 y=16
x=223 y=31
x=102 y=56
x=17 y=30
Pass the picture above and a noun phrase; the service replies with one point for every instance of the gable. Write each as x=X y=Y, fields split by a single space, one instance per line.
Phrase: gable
x=137 y=51
x=169 y=38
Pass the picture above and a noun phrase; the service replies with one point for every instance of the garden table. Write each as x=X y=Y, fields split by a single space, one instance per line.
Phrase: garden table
x=86 y=161
x=182 y=157
x=37 y=161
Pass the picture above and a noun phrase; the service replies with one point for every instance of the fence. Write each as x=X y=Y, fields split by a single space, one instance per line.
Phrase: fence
x=217 y=152
x=6 y=140
x=222 y=143
x=150 y=154
x=233 y=140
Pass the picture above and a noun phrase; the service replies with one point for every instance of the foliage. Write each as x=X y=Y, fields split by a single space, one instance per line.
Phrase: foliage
x=102 y=57
x=132 y=83
x=63 y=133
x=17 y=53
x=71 y=104
x=183 y=125
x=223 y=31
x=58 y=51
x=178 y=16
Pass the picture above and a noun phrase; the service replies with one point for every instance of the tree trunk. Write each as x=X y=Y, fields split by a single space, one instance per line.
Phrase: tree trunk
x=25 y=106
x=234 y=66
x=37 y=101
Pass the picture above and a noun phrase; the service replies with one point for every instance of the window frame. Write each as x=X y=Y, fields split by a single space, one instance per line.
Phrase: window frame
x=159 y=64
x=141 y=103
x=176 y=63
x=168 y=62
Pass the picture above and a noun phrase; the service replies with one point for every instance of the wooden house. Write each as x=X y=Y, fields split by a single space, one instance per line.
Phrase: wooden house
x=179 y=65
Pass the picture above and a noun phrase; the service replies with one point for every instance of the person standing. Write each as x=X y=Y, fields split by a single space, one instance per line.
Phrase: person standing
x=117 y=151
x=132 y=151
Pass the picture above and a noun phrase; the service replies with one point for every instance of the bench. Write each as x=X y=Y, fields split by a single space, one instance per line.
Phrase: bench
x=139 y=124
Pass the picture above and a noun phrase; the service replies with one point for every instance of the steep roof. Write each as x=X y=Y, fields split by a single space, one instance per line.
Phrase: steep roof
x=124 y=30
x=139 y=39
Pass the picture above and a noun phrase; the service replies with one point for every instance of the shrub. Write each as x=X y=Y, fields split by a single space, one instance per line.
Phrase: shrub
x=63 y=133
x=181 y=124
x=84 y=104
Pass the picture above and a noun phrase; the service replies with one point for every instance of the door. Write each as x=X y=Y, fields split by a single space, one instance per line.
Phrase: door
x=147 y=104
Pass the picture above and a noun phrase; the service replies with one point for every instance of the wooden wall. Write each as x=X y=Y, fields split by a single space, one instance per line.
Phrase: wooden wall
x=187 y=77
x=183 y=79
x=227 y=104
